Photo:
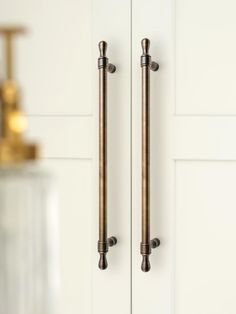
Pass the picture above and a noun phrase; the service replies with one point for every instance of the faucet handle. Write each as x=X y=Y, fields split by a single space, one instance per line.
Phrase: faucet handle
x=12 y=30
x=8 y=32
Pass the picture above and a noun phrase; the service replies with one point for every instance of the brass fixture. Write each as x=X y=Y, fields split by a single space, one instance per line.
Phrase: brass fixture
x=103 y=243
x=13 y=148
x=146 y=245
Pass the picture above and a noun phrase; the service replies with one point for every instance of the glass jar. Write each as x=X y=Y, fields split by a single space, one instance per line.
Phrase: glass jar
x=28 y=240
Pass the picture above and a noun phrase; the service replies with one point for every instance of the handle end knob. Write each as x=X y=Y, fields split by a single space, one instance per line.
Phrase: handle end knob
x=103 y=249
x=102 y=264
x=145 y=266
x=102 y=45
x=145 y=45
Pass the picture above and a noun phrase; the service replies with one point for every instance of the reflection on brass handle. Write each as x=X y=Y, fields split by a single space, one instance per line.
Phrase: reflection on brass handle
x=103 y=242
x=146 y=244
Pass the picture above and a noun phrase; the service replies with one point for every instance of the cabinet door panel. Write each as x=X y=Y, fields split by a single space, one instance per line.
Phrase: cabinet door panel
x=205 y=237
x=205 y=57
x=57 y=69
x=192 y=157
x=209 y=138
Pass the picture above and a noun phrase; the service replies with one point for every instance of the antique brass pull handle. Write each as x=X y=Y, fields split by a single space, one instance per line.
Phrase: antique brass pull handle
x=146 y=244
x=103 y=242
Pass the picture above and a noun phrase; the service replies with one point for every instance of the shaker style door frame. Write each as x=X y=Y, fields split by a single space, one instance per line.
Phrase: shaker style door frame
x=193 y=154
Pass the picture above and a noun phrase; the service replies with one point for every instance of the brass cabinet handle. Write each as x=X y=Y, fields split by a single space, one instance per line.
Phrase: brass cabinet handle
x=146 y=245
x=103 y=242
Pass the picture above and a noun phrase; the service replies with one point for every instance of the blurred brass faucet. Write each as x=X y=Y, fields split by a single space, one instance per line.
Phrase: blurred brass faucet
x=13 y=148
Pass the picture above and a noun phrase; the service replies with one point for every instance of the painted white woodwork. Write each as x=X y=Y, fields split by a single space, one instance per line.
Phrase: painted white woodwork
x=204 y=138
x=205 y=57
x=112 y=287
x=152 y=292
x=193 y=151
x=192 y=157
x=57 y=68
x=63 y=137
x=75 y=181
x=53 y=67
x=205 y=237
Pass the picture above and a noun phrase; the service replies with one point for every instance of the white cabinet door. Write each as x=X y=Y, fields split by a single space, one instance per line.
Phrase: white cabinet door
x=57 y=70
x=193 y=157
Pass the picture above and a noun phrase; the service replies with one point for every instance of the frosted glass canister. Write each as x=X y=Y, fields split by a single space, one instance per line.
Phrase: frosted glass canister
x=28 y=240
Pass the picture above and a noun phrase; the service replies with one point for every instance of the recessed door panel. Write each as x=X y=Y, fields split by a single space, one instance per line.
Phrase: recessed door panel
x=205 y=57
x=205 y=237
